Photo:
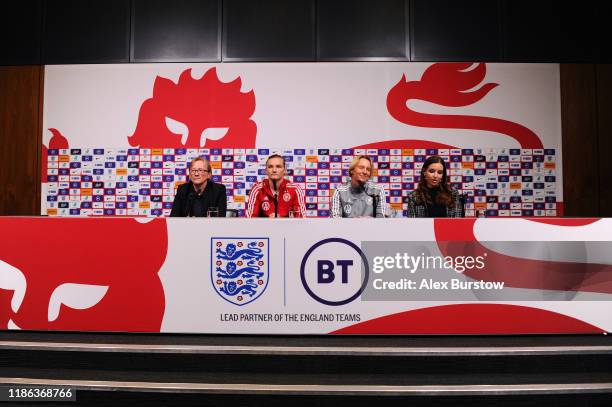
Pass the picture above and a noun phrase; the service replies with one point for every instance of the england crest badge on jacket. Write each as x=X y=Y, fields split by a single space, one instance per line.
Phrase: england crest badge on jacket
x=240 y=268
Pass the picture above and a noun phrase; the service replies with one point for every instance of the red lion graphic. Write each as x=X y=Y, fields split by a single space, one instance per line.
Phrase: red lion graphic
x=198 y=104
x=450 y=85
x=82 y=274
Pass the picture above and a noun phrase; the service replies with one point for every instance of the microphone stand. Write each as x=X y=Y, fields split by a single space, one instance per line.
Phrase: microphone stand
x=275 y=185
x=374 y=199
x=374 y=202
x=275 y=204
x=190 y=199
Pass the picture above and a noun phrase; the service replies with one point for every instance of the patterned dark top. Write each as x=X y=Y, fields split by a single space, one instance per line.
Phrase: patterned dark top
x=416 y=210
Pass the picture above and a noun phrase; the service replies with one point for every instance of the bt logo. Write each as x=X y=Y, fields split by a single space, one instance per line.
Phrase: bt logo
x=325 y=271
x=334 y=271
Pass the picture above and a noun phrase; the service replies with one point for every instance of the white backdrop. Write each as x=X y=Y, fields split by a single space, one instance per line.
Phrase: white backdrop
x=325 y=105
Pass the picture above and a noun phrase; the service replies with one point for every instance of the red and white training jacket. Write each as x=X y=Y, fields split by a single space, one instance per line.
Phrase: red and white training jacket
x=262 y=203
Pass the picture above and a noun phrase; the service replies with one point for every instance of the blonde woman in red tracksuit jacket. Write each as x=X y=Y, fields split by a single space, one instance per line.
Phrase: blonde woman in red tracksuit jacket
x=275 y=196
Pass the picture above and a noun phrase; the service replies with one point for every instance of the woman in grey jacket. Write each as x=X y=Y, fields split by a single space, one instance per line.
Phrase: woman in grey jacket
x=359 y=197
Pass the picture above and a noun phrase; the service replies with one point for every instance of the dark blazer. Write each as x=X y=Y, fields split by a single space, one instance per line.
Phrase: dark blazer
x=416 y=210
x=214 y=196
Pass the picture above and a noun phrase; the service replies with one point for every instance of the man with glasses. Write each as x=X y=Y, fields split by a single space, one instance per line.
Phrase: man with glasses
x=200 y=196
x=275 y=197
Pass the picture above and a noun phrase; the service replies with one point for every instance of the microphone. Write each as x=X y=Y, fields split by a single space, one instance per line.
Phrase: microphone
x=276 y=204
x=363 y=186
x=374 y=194
x=190 y=199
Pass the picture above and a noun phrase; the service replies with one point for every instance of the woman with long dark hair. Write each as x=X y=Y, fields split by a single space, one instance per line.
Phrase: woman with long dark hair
x=434 y=197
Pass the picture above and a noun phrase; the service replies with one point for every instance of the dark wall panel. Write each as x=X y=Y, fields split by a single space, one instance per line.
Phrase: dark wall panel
x=549 y=31
x=111 y=31
x=20 y=139
x=20 y=29
x=89 y=31
x=177 y=31
x=604 y=132
x=579 y=37
x=362 y=29
x=581 y=181
x=531 y=30
x=448 y=30
x=268 y=30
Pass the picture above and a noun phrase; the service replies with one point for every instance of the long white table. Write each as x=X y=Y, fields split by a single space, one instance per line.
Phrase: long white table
x=306 y=276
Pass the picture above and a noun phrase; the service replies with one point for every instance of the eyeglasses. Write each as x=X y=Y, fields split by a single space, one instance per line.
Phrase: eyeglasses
x=196 y=170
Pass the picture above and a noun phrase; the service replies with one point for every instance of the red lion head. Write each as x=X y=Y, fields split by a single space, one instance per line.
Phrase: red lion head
x=196 y=113
x=55 y=276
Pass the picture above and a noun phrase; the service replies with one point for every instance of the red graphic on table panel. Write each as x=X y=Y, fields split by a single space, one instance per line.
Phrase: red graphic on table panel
x=180 y=114
x=82 y=274
x=517 y=272
x=469 y=319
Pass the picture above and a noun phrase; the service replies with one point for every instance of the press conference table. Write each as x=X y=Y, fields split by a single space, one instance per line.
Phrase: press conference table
x=306 y=276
